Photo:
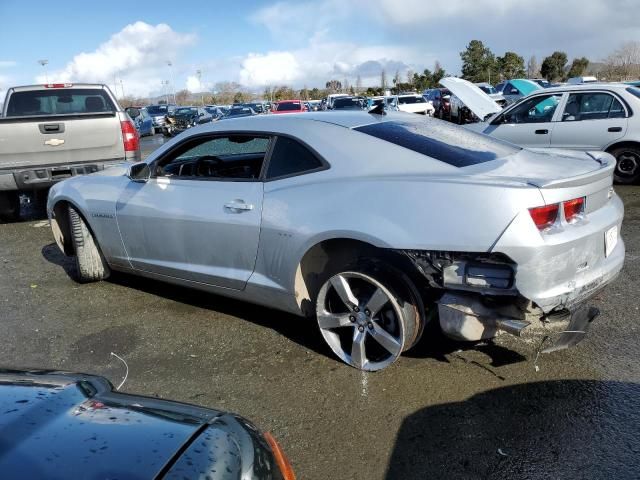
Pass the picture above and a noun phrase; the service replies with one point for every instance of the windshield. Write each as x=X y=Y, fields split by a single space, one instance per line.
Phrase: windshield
x=186 y=111
x=239 y=111
x=59 y=102
x=158 y=109
x=289 y=106
x=489 y=90
x=444 y=142
x=347 y=103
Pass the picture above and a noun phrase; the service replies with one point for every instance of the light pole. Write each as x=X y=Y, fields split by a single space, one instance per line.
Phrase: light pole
x=44 y=62
x=173 y=87
x=199 y=75
x=165 y=90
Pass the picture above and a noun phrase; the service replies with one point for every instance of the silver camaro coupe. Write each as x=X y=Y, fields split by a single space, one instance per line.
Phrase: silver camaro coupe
x=374 y=224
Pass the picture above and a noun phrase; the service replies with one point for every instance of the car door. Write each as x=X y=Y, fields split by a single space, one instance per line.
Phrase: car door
x=198 y=216
x=528 y=123
x=590 y=120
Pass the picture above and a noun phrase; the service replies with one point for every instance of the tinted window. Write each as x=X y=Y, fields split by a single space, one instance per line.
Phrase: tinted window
x=290 y=157
x=347 y=103
x=289 y=106
x=235 y=157
x=634 y=91
x=447 y=143
x=59 y=102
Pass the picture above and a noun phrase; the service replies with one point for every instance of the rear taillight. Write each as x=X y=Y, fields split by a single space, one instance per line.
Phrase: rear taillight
x=545 y=216
x=129 y=136
x=573 y=209
x=281 y=459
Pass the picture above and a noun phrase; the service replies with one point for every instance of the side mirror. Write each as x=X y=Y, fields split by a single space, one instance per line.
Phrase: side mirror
x=139 y=172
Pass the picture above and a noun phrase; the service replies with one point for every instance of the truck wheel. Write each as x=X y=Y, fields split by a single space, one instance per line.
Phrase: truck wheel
x=90 y=265
x=369 y=316
x=10 y=206
x=627 y=165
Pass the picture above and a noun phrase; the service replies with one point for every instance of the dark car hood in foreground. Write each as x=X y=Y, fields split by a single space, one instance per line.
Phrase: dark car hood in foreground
x=59 y=425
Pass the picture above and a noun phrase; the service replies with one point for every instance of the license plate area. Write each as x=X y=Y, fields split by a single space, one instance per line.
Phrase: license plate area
x=610 y=240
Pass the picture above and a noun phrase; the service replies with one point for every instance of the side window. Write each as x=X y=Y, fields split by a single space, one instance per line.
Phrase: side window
x=592 y=106
x=290 y=157
x=539 y=109
x=232 y=157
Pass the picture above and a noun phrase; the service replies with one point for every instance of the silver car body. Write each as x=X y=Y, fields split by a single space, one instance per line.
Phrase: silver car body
x=371 y=193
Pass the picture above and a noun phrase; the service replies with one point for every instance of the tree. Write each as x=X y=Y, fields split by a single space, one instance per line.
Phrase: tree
x=532 y=67
x=478 y=62
x=553 y=66
x=511 y=65
x=241 y=97
x=624 y=63
x=383 y=79
x=358 y=84
x=410 y=74
x=396 y=78
x=315 y=94
x=182 y=96
x=334 y=85
x=578 y=67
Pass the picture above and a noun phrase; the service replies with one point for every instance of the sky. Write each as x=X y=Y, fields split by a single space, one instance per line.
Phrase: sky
x=128 y=45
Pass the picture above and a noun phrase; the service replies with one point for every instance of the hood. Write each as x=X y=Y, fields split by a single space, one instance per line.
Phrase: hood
x=57 y=424
x=525 y=86
x=549 y=168
x=475 y=99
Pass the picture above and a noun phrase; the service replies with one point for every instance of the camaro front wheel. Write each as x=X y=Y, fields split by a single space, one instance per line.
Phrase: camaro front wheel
x=90 y=265
x=364 y=321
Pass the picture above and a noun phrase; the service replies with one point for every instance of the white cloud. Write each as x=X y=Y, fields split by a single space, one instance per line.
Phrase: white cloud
x=138 y=54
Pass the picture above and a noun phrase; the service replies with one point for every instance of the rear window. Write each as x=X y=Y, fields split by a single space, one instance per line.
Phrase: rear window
x=158 y=109
x=449 y=144
x=412 y=99
x=59 y=102
x=635 y=91
x=289 y=106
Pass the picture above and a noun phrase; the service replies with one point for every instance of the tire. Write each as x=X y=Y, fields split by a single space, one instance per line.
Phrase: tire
x=10 y=206
x=369 y=340
x=627 y=170
x=90 y=265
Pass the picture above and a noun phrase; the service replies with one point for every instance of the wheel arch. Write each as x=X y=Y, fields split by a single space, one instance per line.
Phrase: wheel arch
x=329 y=254
x=623 y=143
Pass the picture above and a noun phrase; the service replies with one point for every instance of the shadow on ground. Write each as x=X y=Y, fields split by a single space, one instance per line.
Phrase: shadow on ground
x=568 y=429
x=302 y=331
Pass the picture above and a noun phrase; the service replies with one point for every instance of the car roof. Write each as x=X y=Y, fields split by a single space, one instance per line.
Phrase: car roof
x=71 y=86
x=584 y=86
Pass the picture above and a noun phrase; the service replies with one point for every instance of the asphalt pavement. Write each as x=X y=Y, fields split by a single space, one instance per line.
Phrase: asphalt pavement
x=444 y=410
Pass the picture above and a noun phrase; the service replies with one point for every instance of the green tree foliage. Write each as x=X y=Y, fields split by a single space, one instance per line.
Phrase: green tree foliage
x=578 y=67
x=511 y=65
x=478 y=63
x=334 y=85
x=553 y=66
x=428 y=79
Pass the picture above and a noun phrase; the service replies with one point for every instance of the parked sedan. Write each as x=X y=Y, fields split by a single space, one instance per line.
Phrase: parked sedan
x=187 y=117
x=414 y=103
x=397 y=217
x=238 y=112
x=440 y=99
x=577 y=117
x=66 y=425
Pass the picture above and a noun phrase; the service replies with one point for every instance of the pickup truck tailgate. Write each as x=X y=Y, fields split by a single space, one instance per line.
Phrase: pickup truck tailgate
x=60 y=140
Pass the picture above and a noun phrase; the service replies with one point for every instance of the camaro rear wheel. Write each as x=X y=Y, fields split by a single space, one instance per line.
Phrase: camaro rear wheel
x=364 y=321
x=627 y=165
x=90 y=265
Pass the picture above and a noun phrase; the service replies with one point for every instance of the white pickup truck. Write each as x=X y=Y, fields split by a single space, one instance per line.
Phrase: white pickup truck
x=56 y=131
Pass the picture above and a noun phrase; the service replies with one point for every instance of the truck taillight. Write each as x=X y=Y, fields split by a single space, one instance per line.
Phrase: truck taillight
x=129 y=136
x=573 y=209
x=545 y=216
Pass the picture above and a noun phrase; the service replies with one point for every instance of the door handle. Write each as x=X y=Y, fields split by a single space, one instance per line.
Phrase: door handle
x=541 y=132
x=238 y=206
x=614 y=129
